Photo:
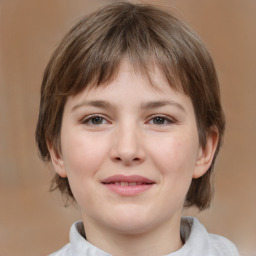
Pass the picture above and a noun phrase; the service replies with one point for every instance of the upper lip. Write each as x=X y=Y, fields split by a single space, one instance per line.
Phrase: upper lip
x=129 y=179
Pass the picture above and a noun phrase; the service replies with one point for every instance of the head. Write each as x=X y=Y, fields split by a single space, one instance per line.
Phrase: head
x=90 y=56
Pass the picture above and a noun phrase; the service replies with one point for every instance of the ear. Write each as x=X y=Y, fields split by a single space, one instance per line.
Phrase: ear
x=57 y=160
x=206 y=154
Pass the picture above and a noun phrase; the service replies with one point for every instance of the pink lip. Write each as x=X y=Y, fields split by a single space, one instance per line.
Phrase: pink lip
x=123 y=178
x=128 y=185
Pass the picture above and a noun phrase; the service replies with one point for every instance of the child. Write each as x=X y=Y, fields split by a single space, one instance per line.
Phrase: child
x=130 y=117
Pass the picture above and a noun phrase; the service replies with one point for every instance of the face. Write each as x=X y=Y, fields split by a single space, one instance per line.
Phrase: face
x=130 y=151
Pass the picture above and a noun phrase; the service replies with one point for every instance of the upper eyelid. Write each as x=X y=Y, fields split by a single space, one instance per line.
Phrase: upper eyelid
x=167 y=117
x=148 y=118
x=88 y=117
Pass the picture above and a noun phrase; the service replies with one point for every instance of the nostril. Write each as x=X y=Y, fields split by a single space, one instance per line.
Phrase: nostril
x=118 y=159
x=127 y=160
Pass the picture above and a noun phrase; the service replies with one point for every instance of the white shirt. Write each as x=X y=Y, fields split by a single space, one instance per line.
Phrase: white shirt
x=197 y=242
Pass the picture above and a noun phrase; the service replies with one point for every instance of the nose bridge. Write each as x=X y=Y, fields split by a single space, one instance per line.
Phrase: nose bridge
x=127 y=146
x=128 y=137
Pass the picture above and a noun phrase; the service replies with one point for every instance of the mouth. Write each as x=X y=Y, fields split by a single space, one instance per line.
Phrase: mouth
x=123 y=183
x=128 y=185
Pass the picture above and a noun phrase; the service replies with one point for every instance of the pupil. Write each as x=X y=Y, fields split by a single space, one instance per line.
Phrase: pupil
x=97 y=120
x=159 y=120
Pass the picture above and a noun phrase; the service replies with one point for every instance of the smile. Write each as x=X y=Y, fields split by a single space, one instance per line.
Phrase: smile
x=123 y=183
x=128 y=185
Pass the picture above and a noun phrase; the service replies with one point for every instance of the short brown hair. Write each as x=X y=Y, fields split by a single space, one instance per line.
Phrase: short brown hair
x=91 y=53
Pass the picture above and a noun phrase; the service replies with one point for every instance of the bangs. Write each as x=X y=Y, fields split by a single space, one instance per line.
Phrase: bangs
x=91 y=54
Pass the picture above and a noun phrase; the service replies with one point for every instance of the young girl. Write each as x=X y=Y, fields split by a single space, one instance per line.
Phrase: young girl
x=130 y=117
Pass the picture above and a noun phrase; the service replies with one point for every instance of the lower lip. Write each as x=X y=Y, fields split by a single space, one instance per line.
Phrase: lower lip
x=128 y=190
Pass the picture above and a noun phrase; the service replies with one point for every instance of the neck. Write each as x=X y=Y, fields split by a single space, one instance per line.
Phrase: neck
x=160 y=241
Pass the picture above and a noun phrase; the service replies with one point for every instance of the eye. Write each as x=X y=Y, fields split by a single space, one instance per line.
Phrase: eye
x=160 y=120
x=95 y=120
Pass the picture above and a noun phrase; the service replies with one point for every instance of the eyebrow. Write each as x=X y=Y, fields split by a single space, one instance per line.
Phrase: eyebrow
x=159 y=104
x=144 y=106
x=94 y=103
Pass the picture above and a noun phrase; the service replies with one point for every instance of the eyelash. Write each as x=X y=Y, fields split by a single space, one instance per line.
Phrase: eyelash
x=162 y=120
x=89 y=120
x=166 y=120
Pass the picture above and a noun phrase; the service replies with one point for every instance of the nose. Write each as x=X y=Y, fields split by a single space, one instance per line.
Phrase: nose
x=127 y=146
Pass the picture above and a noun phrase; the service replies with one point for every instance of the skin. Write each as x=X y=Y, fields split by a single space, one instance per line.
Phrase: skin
x=119 y=129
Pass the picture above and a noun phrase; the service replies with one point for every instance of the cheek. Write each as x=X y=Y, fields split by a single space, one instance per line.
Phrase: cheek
x=175 y=155
x=83 y=154
x=83 y=157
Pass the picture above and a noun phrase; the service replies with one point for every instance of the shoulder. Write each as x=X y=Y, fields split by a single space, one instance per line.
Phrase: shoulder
x=197 y=239
x=64 y=251
x=223 y=245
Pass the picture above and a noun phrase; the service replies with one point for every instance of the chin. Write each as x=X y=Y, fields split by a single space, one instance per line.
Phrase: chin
x=131 y=223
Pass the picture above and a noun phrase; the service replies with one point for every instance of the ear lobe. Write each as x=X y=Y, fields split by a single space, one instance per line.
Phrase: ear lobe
x=57 y=160
x=206 y=154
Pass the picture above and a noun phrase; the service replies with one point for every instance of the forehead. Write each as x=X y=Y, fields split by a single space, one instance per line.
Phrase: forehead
x=150 y=76
x=129 y=88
